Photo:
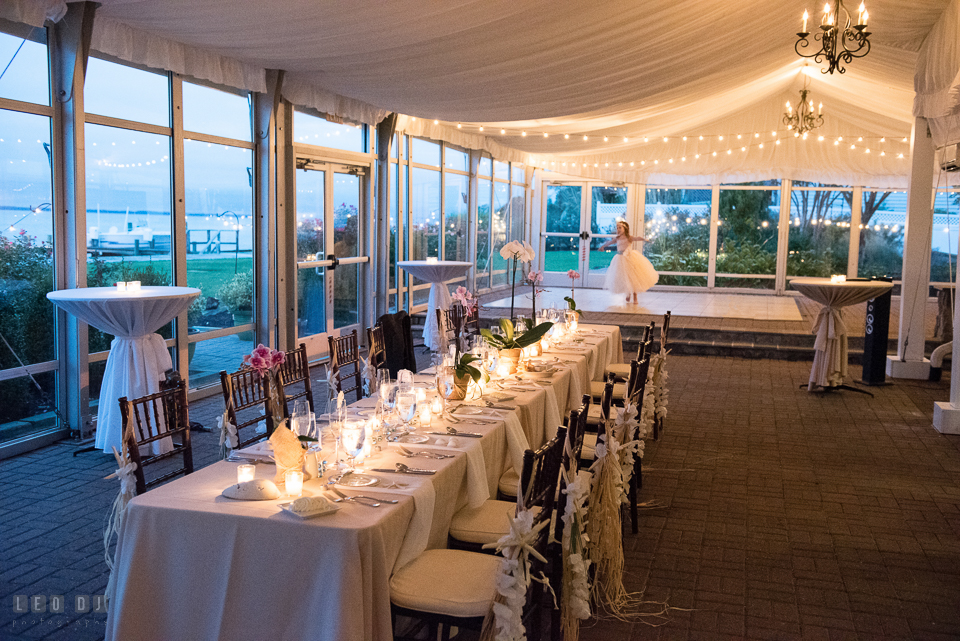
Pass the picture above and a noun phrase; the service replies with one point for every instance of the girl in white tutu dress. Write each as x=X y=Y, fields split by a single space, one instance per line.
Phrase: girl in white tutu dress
x=630 y=271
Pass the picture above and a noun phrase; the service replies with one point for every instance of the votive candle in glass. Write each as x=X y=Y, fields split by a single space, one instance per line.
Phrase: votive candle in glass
x=436 y=405
x=431 y=259
x=426 y=415
x=121 y=286
x=133 y=285
x=293 y=483
x=421 y=394
x=246 y=473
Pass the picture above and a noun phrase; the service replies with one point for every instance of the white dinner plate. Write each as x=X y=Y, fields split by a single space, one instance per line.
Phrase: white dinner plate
x=415 y=439
x=358 y=480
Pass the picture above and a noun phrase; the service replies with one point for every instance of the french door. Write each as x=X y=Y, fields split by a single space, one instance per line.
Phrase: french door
x=330 y=221
x=578 y=218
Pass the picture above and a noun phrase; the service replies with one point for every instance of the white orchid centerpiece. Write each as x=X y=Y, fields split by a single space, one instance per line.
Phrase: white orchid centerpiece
x=520 y=253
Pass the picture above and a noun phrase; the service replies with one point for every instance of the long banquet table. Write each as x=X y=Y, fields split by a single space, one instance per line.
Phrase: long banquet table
x=193 y=564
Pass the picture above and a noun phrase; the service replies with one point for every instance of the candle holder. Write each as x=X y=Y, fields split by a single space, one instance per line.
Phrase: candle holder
x=246 y=473
x=293 y=483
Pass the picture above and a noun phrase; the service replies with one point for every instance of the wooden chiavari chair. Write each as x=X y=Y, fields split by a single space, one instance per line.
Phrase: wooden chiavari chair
x=427 y=589
x=246 y=396
x=471 y=528
x=621 y=371
x=295 y=370
x=376 y=348
x=344 y=352
x=147 y=422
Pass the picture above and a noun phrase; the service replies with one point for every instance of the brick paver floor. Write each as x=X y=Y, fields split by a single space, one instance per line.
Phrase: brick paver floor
x=785 y=515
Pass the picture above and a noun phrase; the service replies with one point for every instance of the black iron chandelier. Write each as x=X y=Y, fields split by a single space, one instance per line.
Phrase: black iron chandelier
x=803 y=120
x=838 y=45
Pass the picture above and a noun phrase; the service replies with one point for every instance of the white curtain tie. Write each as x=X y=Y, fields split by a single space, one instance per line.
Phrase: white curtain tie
x=828 y=326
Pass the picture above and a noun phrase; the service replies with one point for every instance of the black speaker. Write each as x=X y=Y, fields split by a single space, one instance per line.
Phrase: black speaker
x=875 y=339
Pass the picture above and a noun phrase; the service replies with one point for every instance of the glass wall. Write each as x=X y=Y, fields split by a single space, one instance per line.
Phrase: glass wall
x=677 y=227
x=220 y=228
x=882 y=222
x=27 y=318
x=819 y=230
x=747 y=236
x=943 y=256
x=607 y=205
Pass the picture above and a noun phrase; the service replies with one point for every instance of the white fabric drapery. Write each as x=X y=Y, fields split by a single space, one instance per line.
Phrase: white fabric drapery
x=937 y=79
x=605 y=70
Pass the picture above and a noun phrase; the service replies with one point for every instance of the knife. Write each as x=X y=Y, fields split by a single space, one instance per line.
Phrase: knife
x=360 y=496
x=459 y=433
x=501 y=407
x=407 y=471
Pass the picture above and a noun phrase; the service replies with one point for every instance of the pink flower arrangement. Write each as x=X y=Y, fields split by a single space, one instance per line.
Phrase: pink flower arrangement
x=264 y=358
x=535 y=277
x=573 y=274
x=464 y=297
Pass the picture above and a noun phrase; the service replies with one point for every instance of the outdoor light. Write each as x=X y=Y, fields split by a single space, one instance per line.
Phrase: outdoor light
x=839 y=45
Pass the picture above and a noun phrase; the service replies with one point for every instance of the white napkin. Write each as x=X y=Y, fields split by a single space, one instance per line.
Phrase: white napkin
x=517 y=442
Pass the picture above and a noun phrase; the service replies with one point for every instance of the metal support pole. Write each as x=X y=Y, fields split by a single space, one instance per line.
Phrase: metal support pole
x=381 y=230
x=265 y=109
x=70 y=48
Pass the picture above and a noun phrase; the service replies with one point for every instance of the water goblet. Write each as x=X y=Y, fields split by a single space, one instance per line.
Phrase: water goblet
x=406 y=408
x=353 y=438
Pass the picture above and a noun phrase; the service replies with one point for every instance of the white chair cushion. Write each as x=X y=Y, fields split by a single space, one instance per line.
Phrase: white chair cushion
x=484 y=524
x=620 y=370
x=589 y=451
x=509 y=482
x=428 y=584
x=596 y=389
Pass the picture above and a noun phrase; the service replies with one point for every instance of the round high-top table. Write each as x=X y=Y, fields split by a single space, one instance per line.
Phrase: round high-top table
x=138 y=356
x=830 y=356
x=435 y=273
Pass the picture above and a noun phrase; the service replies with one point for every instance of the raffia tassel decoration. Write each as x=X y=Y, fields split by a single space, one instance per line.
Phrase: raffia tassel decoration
x=660 y=390
x=128 y=489
x=575 y=595
x=647 y=405
x=604 y=525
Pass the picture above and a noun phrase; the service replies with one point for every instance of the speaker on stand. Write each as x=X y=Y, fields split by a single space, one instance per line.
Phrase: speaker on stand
x=875 y=338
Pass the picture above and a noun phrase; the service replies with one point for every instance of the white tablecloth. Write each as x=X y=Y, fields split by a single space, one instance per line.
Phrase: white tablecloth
x=138 y=357
x=830 y=357
x=255 y=572
x=435 y=273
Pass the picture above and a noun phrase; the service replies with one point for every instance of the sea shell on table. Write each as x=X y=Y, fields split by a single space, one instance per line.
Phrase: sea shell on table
x=255 y=490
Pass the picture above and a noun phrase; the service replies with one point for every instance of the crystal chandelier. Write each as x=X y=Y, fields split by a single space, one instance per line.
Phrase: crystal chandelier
x=838 y=46
x=803 y=120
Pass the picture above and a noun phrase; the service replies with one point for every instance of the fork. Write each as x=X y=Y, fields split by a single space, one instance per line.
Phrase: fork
x=424 y=453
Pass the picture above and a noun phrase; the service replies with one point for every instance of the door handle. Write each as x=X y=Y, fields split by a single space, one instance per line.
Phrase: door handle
x=584 y=235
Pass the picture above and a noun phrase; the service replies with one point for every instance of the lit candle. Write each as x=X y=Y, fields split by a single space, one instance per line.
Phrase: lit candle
x=819 y=108
x=246 y=473
x=866 y=16
x=293 y=482
x=805 y=17
x=133 y=285
x=789 y=108
x=431 y=259
x=421 y=394
x=121 y=286
x=436 y=406
x=826 y=13
x=503 y=369
x=426 y=416
x=860 y=14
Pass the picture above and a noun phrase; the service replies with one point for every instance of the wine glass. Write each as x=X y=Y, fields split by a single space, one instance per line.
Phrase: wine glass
x=406 y=408
x=300 y=419
x=490 y=358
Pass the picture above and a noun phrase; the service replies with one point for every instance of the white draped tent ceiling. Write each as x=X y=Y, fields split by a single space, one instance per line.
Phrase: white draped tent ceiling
x=615 y=77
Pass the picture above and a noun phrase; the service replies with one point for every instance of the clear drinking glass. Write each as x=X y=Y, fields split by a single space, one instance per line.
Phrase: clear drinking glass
x=406 y=408
x=446 y=382
x=352 y=438
x=388 y=394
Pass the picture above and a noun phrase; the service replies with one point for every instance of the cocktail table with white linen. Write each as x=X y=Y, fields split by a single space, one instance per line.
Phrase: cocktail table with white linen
x=138 y=356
